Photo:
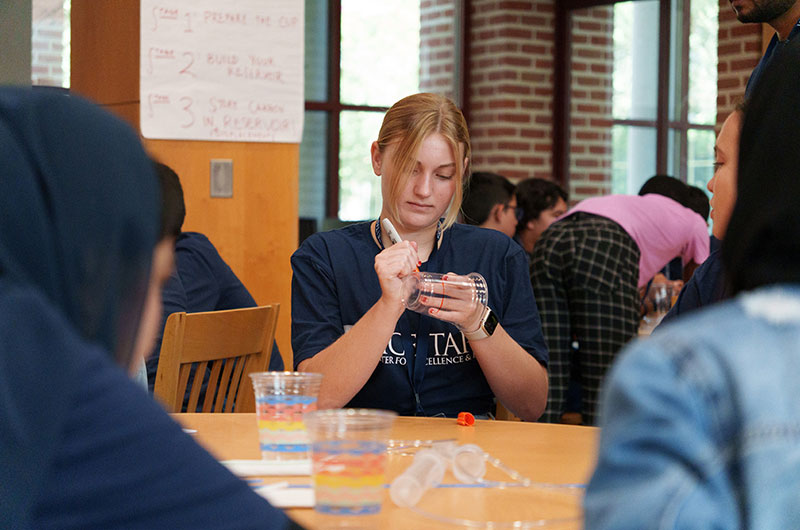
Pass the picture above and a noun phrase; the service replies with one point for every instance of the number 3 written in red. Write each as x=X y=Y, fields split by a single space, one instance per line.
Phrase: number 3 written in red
x=187 y=108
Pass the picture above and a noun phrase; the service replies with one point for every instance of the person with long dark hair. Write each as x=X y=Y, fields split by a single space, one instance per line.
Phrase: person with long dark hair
x=700 y=422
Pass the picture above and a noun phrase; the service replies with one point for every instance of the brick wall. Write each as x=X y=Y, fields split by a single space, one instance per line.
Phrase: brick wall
x=511 y=86
x=47 y=44
x=511 y=79
x=437 y=58
x=590 y=105
x=738 y=51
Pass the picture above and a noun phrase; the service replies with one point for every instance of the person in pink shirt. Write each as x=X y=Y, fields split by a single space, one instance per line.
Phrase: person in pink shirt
x=586 y=272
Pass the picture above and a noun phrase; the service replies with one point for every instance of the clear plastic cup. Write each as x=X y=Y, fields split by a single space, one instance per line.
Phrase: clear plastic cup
x=423 y=290
x=348 y=459
x=658 y=302
x=282 y=398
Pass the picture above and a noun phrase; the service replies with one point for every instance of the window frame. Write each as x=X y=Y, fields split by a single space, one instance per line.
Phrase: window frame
x=662 y=124
x=333 y=106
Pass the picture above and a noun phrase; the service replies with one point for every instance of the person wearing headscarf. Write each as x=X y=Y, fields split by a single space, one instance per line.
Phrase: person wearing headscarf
x=700 y=423
x=81 y=445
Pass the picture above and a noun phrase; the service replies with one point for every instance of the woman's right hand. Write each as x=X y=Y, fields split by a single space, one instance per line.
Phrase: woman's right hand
x=392 y=265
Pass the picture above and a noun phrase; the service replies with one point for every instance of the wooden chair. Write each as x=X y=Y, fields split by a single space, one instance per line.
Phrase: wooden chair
x=502 y=413
x=233 y=344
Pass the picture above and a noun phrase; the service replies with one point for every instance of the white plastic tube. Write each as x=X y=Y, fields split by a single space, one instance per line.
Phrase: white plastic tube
x=426 y=471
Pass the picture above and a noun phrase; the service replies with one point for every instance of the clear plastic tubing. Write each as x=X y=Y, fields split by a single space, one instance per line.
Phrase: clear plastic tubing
x=469 y=463
x=426 y=471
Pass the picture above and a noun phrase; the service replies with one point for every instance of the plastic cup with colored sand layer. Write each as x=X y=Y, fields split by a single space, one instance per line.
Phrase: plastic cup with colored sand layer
x=282 y=399
x=348 y=459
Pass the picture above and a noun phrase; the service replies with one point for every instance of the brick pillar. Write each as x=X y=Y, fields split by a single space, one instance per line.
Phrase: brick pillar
x=511 y=87
x=590 y=106
x=437 y=54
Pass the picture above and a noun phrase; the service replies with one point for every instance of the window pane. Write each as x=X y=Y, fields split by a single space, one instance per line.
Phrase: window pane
x=313 y=165
x=380 y=51
x=50 y=42
x=703 y=62
x=636 y=50
x=316 y=52
x=700 y=160
x=359 y=188
x=634 y=157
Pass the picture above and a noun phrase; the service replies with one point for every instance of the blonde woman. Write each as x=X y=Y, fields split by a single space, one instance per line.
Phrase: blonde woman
x=348 y=318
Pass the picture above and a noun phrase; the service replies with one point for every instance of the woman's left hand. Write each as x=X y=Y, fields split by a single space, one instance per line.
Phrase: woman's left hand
x=456 y=303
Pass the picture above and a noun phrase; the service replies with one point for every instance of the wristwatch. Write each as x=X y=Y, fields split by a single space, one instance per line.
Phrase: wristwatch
x=485 y=329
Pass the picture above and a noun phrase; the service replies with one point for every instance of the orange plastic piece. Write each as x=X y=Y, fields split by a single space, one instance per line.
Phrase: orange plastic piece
x=465 y=418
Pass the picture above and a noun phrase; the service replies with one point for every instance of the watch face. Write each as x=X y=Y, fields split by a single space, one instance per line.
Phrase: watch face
x=491 y=323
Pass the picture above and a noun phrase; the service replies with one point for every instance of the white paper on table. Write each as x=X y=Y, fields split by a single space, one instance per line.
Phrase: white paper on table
x=268 y=468
x=287 y=496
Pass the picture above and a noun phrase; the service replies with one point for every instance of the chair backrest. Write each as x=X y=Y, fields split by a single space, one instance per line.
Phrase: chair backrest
x=228 y=345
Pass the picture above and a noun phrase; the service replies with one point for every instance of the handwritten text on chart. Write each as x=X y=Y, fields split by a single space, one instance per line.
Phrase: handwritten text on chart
x=189 y=19
x=230 y=65
x=222 y=73
x=228 y=118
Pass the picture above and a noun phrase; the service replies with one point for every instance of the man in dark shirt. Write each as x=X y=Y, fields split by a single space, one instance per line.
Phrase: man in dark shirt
x=782 y=15
x=201 y=280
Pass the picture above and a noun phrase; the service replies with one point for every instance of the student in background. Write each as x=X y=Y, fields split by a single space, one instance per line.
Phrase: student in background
x=698 y=201
x=489 y=202
x=707 y=285
x=81 y=446
x=587 y=272
x=700 y=421
x=201 y=280
x=348 y=317
x=542 y=202
x=694 y=198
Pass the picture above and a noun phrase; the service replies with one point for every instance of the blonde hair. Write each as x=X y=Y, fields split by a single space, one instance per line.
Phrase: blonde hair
x=408 y=123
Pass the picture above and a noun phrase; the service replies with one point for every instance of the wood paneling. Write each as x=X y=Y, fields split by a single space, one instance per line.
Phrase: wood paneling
x=255 y=231
x=105 y=50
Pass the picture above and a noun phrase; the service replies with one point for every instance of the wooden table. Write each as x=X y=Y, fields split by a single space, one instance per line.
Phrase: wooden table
x=554 y=454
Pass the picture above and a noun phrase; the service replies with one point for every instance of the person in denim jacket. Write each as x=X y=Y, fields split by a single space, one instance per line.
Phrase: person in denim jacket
x=701 y=422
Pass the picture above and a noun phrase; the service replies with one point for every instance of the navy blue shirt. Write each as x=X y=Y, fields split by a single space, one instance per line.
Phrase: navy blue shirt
x=201 y=281
x=705 y=287
x=774 y=47
x=335 y=284
x=112 y=457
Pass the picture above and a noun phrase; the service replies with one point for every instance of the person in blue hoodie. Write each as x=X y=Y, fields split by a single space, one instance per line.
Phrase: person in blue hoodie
x=81 y=444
